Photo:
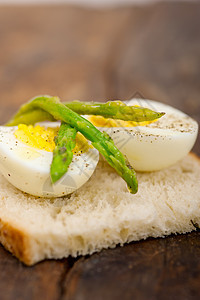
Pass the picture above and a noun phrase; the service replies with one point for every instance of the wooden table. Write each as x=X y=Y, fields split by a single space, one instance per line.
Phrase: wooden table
x=76 y=53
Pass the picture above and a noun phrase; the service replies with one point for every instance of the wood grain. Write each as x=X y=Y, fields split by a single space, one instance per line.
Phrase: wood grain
x=152 y=269
x=43 y=281
x=150 y=52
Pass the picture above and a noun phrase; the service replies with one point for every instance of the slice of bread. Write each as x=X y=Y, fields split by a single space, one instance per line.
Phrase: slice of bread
x=101 y=214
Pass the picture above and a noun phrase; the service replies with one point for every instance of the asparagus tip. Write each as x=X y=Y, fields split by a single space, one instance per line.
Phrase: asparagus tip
x=161 y=114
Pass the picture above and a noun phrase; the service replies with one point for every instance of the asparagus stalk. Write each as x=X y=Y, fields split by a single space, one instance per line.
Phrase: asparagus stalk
x=111 y=109
x=114 y=110
x=31 y=117
x=62 y=155
x=101 y=141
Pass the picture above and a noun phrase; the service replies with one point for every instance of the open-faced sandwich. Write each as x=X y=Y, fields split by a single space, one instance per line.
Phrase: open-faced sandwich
x=59 y=197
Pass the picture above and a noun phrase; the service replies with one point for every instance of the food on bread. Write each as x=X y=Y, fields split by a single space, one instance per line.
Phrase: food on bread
x=154 y=146
x=100 y=140
x=100 y=213
x=26 y=156
x=71 y=123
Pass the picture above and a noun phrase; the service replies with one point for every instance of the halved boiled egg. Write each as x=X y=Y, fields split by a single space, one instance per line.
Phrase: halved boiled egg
x=151 y=146
x=26 y=155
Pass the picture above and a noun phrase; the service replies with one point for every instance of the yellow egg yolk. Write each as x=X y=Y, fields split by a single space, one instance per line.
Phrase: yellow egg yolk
x=43 y=138
x=37 y=136
x=99 y=121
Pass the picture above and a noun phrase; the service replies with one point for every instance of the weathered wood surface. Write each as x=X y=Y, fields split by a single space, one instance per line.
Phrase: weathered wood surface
x=151 y=52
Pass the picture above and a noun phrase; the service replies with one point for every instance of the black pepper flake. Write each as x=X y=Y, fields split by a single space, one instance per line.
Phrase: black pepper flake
x=62 y=150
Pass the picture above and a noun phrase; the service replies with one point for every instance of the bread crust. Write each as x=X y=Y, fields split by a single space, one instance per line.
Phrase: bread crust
x=16 y=241
x=195 y=156
x=21 y=243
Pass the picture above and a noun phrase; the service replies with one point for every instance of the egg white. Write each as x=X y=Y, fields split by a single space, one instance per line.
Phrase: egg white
x=28 y=168
x=158 y=145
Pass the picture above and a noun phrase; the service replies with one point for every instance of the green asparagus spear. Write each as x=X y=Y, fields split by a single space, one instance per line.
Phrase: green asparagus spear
x=99 y=140
x=114 y=110
x=111 y=109
x=62 y=155
x=31 y=117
